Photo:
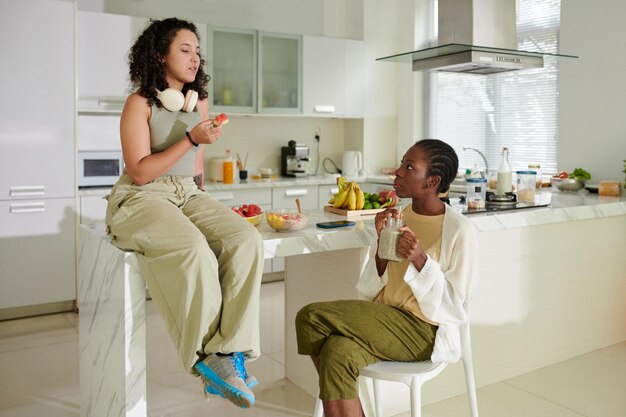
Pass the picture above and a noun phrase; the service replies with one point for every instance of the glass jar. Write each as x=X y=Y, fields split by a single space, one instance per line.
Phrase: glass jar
x=526 y=186
x=537 y=169
x=476 y=193
x=388 y=241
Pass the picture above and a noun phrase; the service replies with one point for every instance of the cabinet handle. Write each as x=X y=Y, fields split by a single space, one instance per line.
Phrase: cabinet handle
x=27 y=191
x=111 y=101
x=222 y=196
x=324 y=109
x=36 y=207
x=296 y=192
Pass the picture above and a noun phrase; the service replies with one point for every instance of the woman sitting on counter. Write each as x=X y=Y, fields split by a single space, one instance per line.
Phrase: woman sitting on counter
x=414 y=307
x=201 y=260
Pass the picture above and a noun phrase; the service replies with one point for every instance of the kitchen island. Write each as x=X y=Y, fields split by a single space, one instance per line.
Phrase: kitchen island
x=551 y=287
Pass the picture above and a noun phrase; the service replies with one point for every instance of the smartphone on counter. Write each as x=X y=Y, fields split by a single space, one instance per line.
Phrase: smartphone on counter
x=335 y=224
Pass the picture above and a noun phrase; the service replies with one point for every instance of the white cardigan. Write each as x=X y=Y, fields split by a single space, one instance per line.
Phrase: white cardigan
x=442 y=289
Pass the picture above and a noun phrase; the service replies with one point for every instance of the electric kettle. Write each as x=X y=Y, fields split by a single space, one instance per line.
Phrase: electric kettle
x=352 y=164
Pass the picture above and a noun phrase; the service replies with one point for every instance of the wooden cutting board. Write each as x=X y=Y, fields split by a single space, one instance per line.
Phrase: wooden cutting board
x=354 y=214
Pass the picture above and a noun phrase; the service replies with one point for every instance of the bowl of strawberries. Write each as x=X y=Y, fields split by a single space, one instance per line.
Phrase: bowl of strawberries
x=251 y=212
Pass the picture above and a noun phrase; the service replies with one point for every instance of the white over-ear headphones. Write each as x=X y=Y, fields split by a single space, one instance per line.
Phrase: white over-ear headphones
x=173 y=100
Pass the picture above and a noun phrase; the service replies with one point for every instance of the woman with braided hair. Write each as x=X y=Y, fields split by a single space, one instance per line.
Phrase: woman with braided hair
x=413 y=308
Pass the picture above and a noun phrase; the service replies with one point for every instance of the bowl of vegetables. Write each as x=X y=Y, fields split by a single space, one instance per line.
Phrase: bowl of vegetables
x=287 y=220
x=573 y=182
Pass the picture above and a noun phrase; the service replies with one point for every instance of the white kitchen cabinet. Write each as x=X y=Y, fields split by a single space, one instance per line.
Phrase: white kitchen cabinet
x=262 y=197
x=92 y=209
x=37 y=185
x=37 y=252
x=285 y=197
x=103 y=41
x=333 y=77
x=37 y=113
x=325 y=193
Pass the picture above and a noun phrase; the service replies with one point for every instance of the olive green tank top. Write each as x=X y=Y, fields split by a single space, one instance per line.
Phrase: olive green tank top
x=166 y=129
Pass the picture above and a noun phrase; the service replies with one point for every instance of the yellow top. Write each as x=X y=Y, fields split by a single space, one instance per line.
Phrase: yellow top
x=397 y=293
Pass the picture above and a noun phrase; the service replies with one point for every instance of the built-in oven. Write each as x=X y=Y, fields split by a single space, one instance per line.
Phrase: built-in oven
x=99 y=168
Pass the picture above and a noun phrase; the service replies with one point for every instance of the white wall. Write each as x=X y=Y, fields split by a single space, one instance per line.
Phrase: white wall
x=592 y=101
x=412 y=88
x=387 y=30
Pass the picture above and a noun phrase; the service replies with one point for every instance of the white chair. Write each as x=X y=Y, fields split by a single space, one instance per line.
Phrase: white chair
x=414 y=374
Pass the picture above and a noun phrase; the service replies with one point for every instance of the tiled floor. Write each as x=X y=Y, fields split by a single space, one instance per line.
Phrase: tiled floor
x=39 y=377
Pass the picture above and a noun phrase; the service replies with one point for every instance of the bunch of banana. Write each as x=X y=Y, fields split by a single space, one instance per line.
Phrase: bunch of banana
x=349 y=196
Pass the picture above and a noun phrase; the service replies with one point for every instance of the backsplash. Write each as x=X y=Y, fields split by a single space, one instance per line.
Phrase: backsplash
x=260 y=136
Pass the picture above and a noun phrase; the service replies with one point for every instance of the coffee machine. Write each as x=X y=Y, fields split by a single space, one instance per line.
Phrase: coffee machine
x=294 y=159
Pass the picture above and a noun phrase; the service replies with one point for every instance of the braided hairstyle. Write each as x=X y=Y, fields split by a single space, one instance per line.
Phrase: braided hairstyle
x=147 y=72
x=442 y=161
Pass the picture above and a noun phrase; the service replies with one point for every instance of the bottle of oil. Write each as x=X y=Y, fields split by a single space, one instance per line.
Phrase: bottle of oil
x=504 y=174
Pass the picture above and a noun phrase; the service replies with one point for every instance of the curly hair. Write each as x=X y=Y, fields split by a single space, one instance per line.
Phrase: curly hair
x=442 y=161
x=147 y=72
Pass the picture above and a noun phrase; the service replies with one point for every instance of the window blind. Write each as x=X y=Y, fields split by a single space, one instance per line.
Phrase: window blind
x=516 y=109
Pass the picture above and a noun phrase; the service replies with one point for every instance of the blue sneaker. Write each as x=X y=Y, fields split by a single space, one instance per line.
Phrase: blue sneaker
x=251 y=381
x=222 y=374
x=240 y=361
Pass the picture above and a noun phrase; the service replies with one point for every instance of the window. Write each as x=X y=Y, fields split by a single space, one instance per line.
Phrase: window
x=514 y=109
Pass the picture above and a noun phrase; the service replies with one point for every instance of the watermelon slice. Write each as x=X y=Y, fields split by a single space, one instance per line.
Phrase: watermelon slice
x=220 y=119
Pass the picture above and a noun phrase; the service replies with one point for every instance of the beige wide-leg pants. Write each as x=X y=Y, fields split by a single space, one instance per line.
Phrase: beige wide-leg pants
x=201 y=260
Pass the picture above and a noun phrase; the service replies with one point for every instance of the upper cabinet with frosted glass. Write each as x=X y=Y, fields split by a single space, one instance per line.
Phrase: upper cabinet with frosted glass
x=233 y=83
x=255 y=72
x=280 y=73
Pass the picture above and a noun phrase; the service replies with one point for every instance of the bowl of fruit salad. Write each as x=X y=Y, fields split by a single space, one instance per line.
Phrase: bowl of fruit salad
x=251 y=212
x=287 y=220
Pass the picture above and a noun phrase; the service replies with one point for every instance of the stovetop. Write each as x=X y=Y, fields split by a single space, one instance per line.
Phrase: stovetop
x=460 y=205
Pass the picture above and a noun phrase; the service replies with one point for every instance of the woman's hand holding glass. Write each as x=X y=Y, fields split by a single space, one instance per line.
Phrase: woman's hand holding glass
x=381 y=218
x=409 y=247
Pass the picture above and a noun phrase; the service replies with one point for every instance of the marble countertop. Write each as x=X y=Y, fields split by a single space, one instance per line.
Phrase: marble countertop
x=564 y=207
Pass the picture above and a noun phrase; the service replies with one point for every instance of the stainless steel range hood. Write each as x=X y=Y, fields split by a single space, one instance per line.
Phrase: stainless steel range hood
x=476 y=37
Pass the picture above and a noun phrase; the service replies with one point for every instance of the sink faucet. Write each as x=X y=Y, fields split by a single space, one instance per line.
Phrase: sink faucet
x=465 y=148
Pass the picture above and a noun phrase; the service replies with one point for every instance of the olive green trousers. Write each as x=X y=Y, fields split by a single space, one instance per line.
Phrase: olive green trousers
x=347 y=335
x=202 y=262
